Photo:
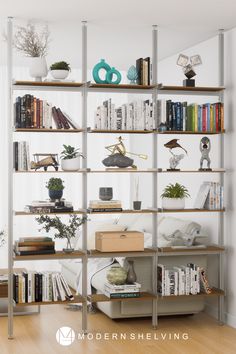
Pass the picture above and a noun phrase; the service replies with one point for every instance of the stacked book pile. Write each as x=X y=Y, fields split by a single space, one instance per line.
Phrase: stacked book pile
x=210 y=196
x=208 y=117
x=32 y=112
x=122 y=291
x=103 y=206
x=30 y=286
x=182 y=280
x=21 y=156
x=136 y=115
x=144 y=71
x=3 y=285
x=48 y=206
x=34 y=246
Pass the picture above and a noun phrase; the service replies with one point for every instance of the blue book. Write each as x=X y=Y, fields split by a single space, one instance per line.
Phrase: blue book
x=199 y=118
x=208 y=113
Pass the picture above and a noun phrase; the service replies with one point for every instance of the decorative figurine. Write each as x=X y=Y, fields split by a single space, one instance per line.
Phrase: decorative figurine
x=118 y=157
x=175 y=159
x=132 y=75
x=188 y=68
x=109 y=73
x=49 y=160
x=205 y=148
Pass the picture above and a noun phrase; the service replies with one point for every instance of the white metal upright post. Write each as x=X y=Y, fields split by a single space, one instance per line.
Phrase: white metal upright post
x=84 y=176
x=154 y=165
x=221 y=238
x=10 y=178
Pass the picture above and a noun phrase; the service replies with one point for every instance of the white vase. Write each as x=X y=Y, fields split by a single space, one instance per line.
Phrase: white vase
x=59 y=74
x=173 y=203
x=70 y=164
x=38 y=68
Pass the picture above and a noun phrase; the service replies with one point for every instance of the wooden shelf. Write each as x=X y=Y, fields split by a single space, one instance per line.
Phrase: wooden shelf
x=57 y=255
x=103 y=131
x=82 y=170
x=205 y=89
x=47 y=84
x=103 y=298
x=190 y=210
x=44 y=130
x=190 y=132
x=211 y=249
x=98 y=254
x=215 y=292
x=122 y=86
x=127 y=211
x=124 y=170
x=77 y=299
x=25 y=213
x=216 y=170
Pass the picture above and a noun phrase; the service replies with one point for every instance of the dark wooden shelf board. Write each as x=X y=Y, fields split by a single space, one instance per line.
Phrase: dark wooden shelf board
x=57 y=255
x=191 y=89
x=207 y=250
x=122 y=86
x=98 y=254
x=190 y=211
x=216 y=170
x=124 y=170
x=75 y=212
x=82 y=170
x=190 y=132
x=44 y=130
x=47 y=84
x=103 y=298
x=215 y=292
x=103 y=131
x=77 y=299
x=128 y=211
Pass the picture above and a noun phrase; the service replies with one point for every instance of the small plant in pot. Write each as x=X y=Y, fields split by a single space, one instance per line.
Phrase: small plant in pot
x=70 y=158
x=173 y=196
x=60 y=70
x=55 y=188
x=64 y=231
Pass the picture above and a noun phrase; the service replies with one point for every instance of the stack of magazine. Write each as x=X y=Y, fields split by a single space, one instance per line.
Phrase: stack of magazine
x=122 y=291
x=48 y=206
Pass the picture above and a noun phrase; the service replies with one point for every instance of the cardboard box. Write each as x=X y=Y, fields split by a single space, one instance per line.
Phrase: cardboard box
x=119 y=241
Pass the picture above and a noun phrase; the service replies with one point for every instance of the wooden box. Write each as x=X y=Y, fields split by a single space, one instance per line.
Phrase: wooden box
x=119 y=241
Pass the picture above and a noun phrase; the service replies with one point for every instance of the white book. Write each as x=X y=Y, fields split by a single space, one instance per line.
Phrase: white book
x=61 y=291
x=124 y=116
x=66 y=288
x=187 y=279
x=202 y=196
x=167 y=282
x=181 y=281
x=54 y=288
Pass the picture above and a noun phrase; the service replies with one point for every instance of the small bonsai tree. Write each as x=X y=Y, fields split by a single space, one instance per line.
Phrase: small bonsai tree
x=66 y=231
x=175 y=191
x=70 y=152
x=55 y=184
x=60 y=65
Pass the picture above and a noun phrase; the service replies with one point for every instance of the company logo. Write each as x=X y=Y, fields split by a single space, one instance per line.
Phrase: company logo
x=65 y=336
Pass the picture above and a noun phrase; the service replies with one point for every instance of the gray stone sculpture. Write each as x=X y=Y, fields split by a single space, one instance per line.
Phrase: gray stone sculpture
x=205 y=148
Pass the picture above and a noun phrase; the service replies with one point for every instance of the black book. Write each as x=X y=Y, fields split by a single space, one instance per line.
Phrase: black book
x=149 y=70
x=168 y=114
x=31 y=253
x=40 y=287
x=28 y=111
x=139 y=68
x=36 y=287
x=18 y=112
x=25 y=275
x=23 y=112
x=15 y=287
x=15 y=155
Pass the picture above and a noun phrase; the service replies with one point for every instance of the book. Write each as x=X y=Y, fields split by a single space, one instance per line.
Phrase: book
x=204 y=285
x=122 y=295
x=102 y=210
x=35 y=239
x=37 y=252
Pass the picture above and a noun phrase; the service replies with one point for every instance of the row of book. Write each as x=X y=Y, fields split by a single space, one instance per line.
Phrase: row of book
x=143 y=67
x=181 y=116
x=187 y=279
x=21 y=156
x=30 y=286
x=210 y=196
x=34 y=246
x=136 y=115
x=104 y=205
x=122 y=291
x=32 y=112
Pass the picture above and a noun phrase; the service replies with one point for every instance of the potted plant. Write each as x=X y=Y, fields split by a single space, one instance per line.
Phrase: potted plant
x=35 y=46
x=64 y=231
x=2 y=238
x=60 y=70
x=55 y=188
x=173 y=196
x=70 y=158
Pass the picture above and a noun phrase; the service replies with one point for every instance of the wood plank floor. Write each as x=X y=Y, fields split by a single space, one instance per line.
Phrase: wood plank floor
x=35 y=334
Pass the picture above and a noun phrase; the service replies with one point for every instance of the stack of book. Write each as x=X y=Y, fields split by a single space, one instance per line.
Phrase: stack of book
x=136 y=115
x=32 y=112
x=182 y=280
x=3 y=285
x=48 y=206
x=34 y=246
x=143 y=68
x=210 y=196
x=103 y=206
x=30 y=286
x=181 y=116
x=122 y=291
x=21 y=156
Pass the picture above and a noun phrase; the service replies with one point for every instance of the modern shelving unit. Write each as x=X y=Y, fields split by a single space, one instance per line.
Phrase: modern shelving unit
x=85 y=88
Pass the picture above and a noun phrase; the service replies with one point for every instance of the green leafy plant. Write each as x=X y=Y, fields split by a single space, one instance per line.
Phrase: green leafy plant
x=30 y=42
x=60 y=65
x=55 y=184
x=70 y=152
x=175 y=191
x=64 y=231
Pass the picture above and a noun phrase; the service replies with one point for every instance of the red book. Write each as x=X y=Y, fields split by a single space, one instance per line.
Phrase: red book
x=63 y=119
x=56 y=118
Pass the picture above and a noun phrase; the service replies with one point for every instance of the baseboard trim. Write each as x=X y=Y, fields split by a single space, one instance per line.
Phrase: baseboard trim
x=230 y=320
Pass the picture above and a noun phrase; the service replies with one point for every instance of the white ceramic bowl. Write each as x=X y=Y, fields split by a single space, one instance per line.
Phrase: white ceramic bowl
x=59 y=74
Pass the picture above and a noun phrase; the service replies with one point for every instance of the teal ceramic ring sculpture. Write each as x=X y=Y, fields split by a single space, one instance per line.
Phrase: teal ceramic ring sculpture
x=109 y=76
x=97 y=68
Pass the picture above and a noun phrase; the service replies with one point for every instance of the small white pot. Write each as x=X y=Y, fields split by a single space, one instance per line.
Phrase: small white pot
x=71 y=164
x=59 y=74
x=173 y=203
x=38 y=68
